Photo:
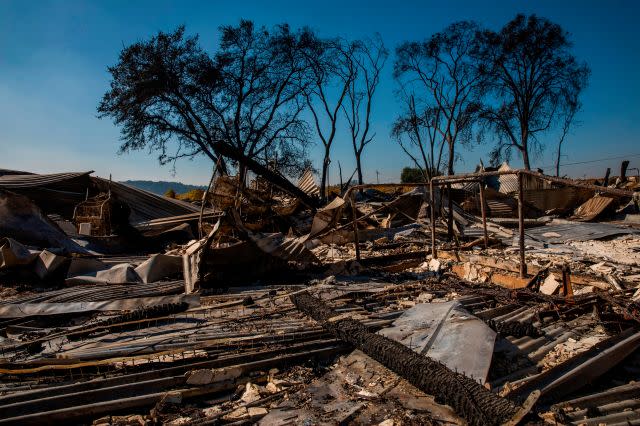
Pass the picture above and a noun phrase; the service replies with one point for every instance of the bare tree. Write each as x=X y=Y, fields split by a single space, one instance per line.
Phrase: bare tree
x=415 y=130
x=169 y=95
x=369 y=58
x=568 y=121
x=534 y=80
x=442 y=73
x=333 y=70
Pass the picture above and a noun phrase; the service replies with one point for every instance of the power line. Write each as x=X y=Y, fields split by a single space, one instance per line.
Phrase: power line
x=622 y=157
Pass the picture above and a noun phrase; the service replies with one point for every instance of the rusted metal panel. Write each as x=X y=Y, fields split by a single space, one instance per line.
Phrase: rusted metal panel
x=592 y=208
x=556 y=198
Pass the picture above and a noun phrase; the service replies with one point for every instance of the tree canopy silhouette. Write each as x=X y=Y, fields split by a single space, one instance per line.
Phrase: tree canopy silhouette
x=169 y=95
x=535 y=81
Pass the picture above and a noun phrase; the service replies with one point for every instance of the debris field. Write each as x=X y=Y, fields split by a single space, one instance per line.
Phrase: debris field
x=503 y=296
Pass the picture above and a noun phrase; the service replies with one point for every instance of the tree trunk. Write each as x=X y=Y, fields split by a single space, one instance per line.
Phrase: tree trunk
x=325 y=170
x=450 y=201
x=242 y=176
x=525 y=158
x=359 y=168
x=525 y=150
x=558 y=159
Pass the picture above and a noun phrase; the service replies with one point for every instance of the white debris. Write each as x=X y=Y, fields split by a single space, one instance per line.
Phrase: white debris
x=550 y=285
x=251 y=393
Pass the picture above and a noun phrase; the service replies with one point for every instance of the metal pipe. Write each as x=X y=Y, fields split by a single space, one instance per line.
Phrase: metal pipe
x=483 y=210
x=204 y=198
x=434 y=252
x=439 y=180
x=356 y=238
x=523 y=265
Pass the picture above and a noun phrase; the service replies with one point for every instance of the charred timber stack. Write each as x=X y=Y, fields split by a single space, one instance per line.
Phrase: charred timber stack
x=469 y=399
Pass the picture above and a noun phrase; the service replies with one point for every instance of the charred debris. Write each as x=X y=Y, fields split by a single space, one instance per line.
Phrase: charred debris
x=499 y=297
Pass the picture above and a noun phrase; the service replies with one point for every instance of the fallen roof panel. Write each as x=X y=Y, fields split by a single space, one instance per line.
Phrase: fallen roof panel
x=9 y=181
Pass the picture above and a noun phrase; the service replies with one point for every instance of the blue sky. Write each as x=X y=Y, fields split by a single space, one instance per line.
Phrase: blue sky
x=54 y=56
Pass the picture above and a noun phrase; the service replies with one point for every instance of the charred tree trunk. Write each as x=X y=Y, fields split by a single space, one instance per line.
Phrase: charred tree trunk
x=558 y=159
x=524 y=149
x=359 y=167
x=450 y=199
x=469 y=399
x=525 y=159
x=325 y=171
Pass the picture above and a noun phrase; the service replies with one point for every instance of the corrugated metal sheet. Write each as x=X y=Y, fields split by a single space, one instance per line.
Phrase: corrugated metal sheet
x=618 y=405
x=592 y=208
x=558 y=233
x=95 y=293
x=145 y=205
x=508 y=184
x=467 y=186
x=13 y=172
x=53 y=193
x=501 y=208
x=289 y=249
x=13 y=181
x=307 y=183
x=556 y=198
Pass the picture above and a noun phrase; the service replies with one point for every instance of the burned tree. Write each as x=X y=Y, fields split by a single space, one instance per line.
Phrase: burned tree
x=418 y=130
x=534 y=80
x=568 y=121
x=333 y=70
x=440 y=78
x=369 y=57
x=167 y=94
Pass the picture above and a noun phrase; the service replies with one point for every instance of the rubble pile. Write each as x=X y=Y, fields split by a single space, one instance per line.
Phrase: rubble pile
x=498 y=297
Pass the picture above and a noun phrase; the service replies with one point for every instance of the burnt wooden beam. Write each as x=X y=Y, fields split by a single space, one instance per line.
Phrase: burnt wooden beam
x=468 y=398
x=273 y=177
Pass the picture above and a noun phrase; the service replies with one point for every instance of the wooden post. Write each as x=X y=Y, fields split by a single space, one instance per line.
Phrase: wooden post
x=483 y=209
x=605 y=181
x=204 y=198
x=449 y=214
x=623 y=170
x=434 y=253
x=356 y=238
x=567 y=288
x=523 y=265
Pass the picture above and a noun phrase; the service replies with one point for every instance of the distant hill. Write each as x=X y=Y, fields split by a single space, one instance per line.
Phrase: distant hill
x=161 y=187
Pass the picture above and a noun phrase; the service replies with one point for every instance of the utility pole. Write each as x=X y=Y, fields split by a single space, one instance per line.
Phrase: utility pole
x=378 y=177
